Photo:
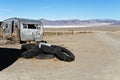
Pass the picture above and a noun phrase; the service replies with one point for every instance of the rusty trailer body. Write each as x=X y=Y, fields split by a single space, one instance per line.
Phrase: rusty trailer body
x=22 y=30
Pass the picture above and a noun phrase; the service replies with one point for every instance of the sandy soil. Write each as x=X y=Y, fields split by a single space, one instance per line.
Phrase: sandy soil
x=97 y=58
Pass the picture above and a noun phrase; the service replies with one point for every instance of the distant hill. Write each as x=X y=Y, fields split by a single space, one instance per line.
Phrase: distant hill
x=116 y=23
x=76 y=22
x=79 y=23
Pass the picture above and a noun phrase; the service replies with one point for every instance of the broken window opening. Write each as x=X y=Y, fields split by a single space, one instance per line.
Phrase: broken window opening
x=25 y=26
x=31 y=26
x=16 y=25
x=6 y=25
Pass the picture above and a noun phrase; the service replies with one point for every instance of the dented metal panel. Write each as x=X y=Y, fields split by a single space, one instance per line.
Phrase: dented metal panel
x=23 y=29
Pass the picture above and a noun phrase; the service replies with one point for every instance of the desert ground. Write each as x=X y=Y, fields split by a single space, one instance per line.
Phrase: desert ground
x=96 y=50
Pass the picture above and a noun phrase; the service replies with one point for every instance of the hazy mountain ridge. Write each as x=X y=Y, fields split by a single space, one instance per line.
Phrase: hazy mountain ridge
x=116 y=23
x=79 y=22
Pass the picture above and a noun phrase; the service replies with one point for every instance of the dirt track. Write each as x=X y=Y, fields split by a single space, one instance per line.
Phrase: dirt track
x=97 y=58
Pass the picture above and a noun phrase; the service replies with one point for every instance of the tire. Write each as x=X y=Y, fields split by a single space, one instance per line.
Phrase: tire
x=43 y=41
x=26 y=47
x=48 y=49
x=64 y=54
x=31 y=53
x=45 y=56
x=21 y=42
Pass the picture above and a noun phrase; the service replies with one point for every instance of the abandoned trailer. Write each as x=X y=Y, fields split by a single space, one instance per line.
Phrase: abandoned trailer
x=22 y=30
x=27 y=30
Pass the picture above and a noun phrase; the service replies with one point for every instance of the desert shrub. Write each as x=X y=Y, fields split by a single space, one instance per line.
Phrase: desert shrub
x=84 y=32
x=67 y=32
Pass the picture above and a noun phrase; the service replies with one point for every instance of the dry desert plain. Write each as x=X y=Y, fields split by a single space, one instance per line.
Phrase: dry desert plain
x=97 y=52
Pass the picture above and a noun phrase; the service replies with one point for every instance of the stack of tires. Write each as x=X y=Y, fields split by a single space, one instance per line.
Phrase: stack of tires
x=46 y=52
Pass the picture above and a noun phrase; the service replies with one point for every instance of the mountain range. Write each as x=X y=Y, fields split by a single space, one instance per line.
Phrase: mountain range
x=77 y=22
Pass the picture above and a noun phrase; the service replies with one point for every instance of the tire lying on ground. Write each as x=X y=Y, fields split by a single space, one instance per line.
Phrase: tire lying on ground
x=31 y=53
x=49 y=49
x=47 y=52
x=45 y=56
x=37 y=53
x=26 y=47
x=64 y=54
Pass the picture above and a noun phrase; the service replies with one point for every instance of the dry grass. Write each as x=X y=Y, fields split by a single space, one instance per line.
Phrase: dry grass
x=0 y=34
x=69 y=32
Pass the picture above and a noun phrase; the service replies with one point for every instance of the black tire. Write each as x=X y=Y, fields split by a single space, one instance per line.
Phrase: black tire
x=26 y=47
x=21 y=42
x=45 y=56
x=64 y=54
x=43 y=41
x=49 y=49
x=31 y=53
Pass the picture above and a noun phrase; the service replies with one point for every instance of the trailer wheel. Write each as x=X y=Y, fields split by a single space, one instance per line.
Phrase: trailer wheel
x=64 y=54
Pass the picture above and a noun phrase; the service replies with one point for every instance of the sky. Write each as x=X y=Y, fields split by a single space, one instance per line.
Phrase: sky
x=60 y=9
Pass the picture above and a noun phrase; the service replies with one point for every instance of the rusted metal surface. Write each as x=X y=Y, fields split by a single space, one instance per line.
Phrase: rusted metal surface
x=19 y=29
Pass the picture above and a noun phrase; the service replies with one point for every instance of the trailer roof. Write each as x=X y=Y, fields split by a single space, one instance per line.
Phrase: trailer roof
x=30 y=21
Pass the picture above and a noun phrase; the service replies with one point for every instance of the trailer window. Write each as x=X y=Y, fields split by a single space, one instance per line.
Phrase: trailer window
x=16 y=25
x=38 y=26
x=25 y=26
x=31 y=26
x=6 y=25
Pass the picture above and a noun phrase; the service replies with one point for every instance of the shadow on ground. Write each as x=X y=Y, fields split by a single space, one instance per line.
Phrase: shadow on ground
x=8 y=56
